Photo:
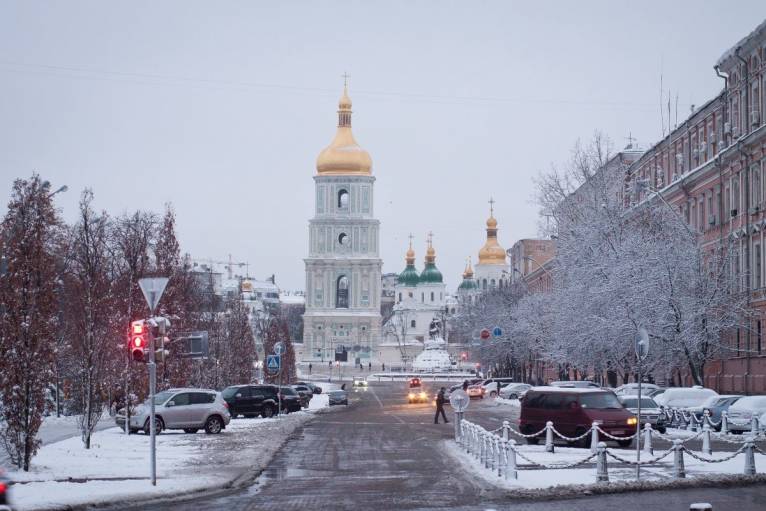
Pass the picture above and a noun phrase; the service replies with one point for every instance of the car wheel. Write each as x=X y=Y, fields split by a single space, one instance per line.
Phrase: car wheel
x=513 y=396
x=214 y=425
x=492 y=394
x=267 y=412
x=664 y=430
x=157 y=426
x=190 y=430
x=624 y=443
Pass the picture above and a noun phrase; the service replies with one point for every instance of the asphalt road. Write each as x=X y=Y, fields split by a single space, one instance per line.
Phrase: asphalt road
x=383 y=454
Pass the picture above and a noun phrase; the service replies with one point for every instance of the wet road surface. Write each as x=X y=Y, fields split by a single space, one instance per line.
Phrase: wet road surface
x=383 y=454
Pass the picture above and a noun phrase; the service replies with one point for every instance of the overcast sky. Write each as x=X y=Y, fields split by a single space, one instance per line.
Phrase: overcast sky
x=222 y=107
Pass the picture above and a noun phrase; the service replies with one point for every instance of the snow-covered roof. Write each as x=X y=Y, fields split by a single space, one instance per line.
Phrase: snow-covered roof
x=568 y=390
x=288 y=299
x=742 y=42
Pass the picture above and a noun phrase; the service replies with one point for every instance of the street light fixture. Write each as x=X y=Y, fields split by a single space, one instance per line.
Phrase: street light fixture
x=62 y=188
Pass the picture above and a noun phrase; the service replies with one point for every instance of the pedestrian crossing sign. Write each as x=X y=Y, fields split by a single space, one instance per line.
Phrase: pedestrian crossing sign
x=273 y=363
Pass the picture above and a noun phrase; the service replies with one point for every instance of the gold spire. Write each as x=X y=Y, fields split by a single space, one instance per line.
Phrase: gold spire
x=468 y=273
x=430 y=252
x=492 y=252
x=343 y=155
x=410 y=257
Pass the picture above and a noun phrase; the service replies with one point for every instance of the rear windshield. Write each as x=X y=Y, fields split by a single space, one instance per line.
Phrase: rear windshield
x=229 y=391
x=288 y=391
x=632 y=402
x=601 y=400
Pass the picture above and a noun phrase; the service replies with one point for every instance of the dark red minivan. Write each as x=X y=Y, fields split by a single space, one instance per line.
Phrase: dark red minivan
x=572 y=411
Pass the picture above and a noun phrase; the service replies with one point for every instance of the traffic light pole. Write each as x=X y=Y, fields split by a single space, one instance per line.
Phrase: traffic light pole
x=152 y=390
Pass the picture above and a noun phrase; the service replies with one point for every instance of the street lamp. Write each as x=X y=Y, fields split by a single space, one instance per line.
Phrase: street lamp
x=63 y=188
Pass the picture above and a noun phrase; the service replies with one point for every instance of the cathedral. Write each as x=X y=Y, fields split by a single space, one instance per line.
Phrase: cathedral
x=343 y=268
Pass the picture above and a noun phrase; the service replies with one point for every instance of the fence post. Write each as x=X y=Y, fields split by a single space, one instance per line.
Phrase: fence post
x=549 y=436
x=506 y=430
x=648 y=439
x=706 y=439
x=706 y=417
x=482 y=447
x=498 y=456
x=678 y=460
x=602 y=476
x=510 y=460
x=750 y=456
x=594 y=437
x=489 y=459
x=724 y=423
x=754 y=425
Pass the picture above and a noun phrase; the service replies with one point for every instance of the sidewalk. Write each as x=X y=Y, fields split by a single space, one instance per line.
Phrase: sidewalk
x=116 y=468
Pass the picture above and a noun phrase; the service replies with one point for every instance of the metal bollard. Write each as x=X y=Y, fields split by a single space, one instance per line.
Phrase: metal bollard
x=678 y=460
x=648 y=439
x=549 y=436
x=750 y=456
x=706 y=439
x=700 y=506
x=594 y=437
x=724 y=423
x=506 y=430
x=602 y=476
x=510 y=460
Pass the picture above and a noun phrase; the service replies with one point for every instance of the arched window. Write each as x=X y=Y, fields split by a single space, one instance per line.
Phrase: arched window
x=432 y=296
x=412 y=324
x=342 y=199
x=400 y=297
x=341 y=293
x=422 y=298
x=492 y=283
x=484 y=284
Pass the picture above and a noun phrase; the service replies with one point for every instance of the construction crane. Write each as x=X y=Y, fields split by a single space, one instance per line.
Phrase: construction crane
x=229 y=265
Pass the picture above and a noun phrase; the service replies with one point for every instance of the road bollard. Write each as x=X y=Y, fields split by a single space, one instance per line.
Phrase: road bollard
x=594 y=438
x=489 y=460
x=510 y=460
x=602 y=476
x=482 y=449
x=678 y=460
x=754 y=424
x=506 y=430
x=498 y=456
x=458 y=427
x=706 y=417
x=706 y=439
x=648 y=439
x=700 y=506
x=750 y=456
x=724 y=423
x=549 y=436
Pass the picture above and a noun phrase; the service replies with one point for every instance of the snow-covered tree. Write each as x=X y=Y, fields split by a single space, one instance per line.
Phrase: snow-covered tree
x=28 y=315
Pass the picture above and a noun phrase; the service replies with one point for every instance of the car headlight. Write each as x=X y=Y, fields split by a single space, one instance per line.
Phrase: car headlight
x=411 y=395
x=423 y=395
x=632 y=421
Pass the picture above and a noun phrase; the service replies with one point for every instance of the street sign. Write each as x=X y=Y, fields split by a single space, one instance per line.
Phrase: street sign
x=484 y=334
x=497 y=331
x=459 y=400
x=642 y=343
x=152 y=288
x=192 y=345
x=273 y=363
x=279 y=348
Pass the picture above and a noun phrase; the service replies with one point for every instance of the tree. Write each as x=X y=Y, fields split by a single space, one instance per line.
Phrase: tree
x=278 y=331
x=28 y=308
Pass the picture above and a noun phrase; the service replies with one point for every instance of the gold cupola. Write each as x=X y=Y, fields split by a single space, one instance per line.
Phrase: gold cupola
x=468 y=273
x=492 y=252
x=344 y=155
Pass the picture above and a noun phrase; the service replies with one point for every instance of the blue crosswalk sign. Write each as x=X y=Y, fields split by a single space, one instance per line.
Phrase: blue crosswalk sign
x=273 y=362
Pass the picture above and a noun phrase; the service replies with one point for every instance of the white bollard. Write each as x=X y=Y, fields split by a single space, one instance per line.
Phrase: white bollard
x=750 y=456
x=754 y=425
x=706 y=417
x=594 y=437
x=602 y=476
x=498 y=457
x=549 y=436
x=724 y=423
x=506 y=430
x=678 y=460
x=648 y=439
x=700 y=506
x=510 y=460
x=706 y=439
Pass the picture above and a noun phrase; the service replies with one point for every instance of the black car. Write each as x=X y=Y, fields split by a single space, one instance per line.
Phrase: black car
x=338 y=397
x=305 y=394
x=251 y=400
x=291 y=400
x=315 y=389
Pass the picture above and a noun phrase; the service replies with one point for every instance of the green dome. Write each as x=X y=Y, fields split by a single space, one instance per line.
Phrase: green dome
x=431 y=275
x=409 y=277
x=468 y=284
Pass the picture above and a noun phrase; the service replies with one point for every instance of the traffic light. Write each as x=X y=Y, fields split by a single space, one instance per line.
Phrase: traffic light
x=138 y=340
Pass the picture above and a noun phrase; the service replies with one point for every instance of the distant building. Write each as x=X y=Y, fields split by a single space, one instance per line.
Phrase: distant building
x=492 y=269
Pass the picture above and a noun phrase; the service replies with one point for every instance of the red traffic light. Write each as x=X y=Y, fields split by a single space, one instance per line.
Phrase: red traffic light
x=137 y=340
x=485 y=334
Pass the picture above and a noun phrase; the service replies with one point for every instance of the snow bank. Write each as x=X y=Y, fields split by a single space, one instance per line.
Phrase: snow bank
x=319 y=401
x=513 y=403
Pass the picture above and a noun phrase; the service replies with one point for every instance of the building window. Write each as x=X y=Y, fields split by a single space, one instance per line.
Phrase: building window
x=341 y=296
x=735 y=195
x=757 y=272
x=422 y=297
x=758 y=339
x=484 y=284
x=342 y=199
x=432 y=296
x=492 y=283
x=756 y=184
x=412 y=324
x=400 y=297
x=410 y=294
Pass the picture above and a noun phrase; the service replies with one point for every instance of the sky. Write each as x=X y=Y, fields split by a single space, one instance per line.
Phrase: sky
x=221 y=108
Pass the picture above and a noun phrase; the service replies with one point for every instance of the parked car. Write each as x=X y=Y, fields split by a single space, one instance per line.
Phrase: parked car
x=573 y=411
x=305 y=394
x=514 y=390
x=650 y=411
x=291 y=400
x=653 y=393
x=338 y=397
x=742 y=411
x=187 y=409
x=5 y=484
x=251 y=400
x=475 y=390
x=460 y=385
x=632 y=388
x=715 y=405
x=576 y=384
x=316 y=389
x=492 y=386
x=683 y=398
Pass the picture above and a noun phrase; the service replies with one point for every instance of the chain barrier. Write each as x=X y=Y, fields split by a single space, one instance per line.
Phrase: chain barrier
x=715 y=460
x=556 y=465
x=568 y=438
x=683 y=441
x=633 y=462
x=522 y=435
x=631 y=437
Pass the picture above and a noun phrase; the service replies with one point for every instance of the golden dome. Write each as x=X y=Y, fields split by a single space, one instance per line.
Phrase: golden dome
x=410 y=257
x=468 y=273
x=492 y=252
x=344 y=155
x=247 y=286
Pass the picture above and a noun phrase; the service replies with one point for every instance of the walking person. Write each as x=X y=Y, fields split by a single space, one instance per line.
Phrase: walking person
x=440 y=399
x=309 y=367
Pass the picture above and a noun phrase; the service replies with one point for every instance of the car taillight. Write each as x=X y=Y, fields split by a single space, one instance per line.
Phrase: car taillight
x=225 y=404
x=3 y=488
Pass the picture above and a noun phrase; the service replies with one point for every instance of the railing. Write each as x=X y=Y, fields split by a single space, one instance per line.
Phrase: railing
x=500 y=453
x=690 y=421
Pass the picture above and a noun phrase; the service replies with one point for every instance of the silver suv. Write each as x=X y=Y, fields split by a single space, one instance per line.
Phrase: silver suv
x=187 y=409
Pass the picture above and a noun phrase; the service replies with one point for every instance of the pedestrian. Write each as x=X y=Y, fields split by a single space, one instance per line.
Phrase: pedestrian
x=465 y=385
x=384 y=367
x=369 y=366
x=309 y=367
x=440 y=399
x=329 y=364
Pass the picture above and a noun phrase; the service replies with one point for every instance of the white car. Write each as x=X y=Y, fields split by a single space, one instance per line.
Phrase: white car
x=632 y=388
x=741 y=413
x=684 y=397
x=514 y=390
x=493 y=386
x=475 y=390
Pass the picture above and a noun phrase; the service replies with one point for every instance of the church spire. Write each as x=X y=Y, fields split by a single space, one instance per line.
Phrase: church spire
x=344 y=106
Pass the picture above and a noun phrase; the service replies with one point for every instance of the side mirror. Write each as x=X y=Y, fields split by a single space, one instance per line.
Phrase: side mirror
x=238 y=395
x=169 y=404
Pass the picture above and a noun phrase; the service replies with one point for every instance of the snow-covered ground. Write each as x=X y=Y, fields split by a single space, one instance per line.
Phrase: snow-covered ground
x=116 y=468
x=514 y=403
x=544 y=478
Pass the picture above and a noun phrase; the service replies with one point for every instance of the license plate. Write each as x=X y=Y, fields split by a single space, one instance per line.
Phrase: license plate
x=618 y=432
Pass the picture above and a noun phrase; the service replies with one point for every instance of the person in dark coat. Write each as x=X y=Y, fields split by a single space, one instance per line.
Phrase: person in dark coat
x=440 y=400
